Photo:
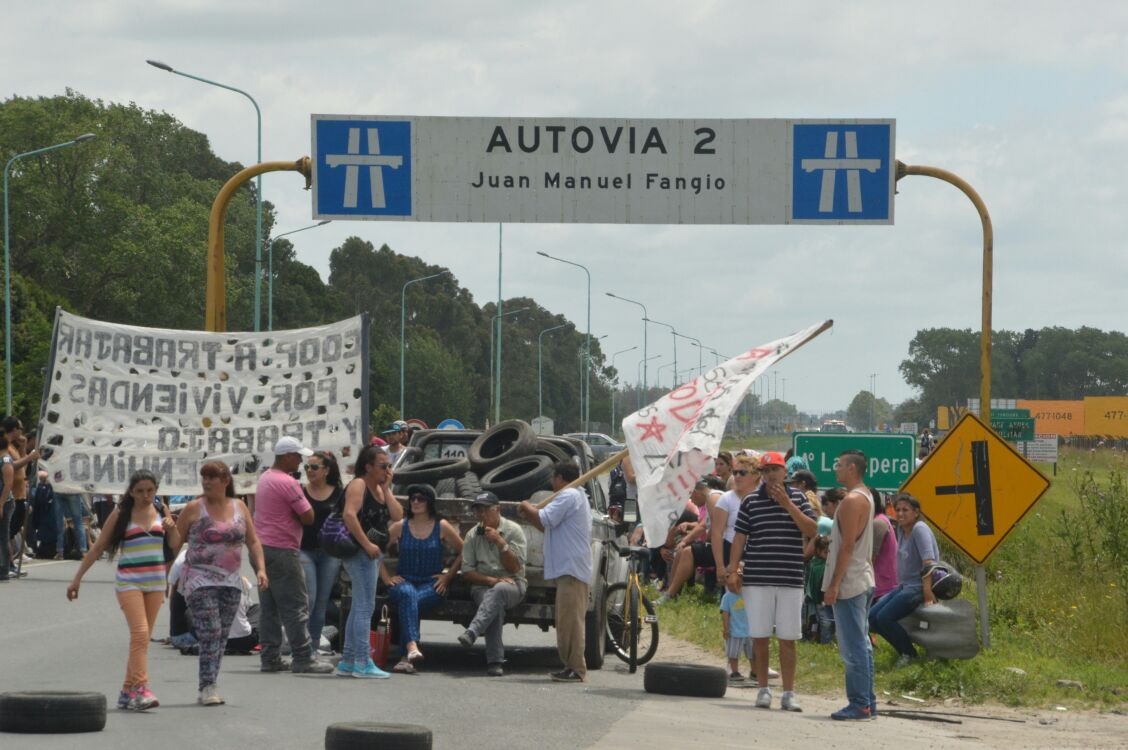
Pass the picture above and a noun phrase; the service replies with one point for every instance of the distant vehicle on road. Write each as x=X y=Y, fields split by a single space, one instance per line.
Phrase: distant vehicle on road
x=602 y=446
x=834 y=425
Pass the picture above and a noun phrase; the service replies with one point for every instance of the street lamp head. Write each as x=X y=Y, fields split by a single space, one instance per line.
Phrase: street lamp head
x=161 y=65
x=546 y=255
x=324 y=222
x=85 y=137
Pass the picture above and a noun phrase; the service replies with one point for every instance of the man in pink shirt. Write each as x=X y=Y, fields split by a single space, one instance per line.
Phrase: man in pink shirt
x=281 y=510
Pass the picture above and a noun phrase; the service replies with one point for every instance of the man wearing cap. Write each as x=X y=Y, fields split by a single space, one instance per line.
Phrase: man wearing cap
x=281 y=510
x=770 y=528
x=566 y=523
x=396 y=434
x=493 y=563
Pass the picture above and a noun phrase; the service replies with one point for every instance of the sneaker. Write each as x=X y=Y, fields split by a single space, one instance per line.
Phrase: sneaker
x=58 y=555
x=313 y=666
x=494 y=670
x=788 y=702
x=275 y=665
x=736 y=677
x=467 y=638
x=344 y=669
x=370 y=672
x=904 y=660
x=566 y=675
x=124 y=699
x=209 y=697
x=852 y=713
x=772 y=674
x=764 y=698
x=145 y=698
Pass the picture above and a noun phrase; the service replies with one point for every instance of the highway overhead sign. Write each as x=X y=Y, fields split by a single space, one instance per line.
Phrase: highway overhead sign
x=975 y=487
x=598 y=170
x=890 y=457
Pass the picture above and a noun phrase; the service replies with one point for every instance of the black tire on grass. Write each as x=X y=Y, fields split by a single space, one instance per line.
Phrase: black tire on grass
x=690 y=680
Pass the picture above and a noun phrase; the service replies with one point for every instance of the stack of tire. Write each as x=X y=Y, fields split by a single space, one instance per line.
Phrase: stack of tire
x=508 y=460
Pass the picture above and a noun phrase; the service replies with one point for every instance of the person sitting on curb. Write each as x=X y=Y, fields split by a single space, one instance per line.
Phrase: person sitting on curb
x=493 y=563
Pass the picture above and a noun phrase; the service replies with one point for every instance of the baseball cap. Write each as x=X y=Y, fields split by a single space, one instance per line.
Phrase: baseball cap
x=826 y=525
x=398 y=426
x=771 y=458
x=794 y=464
x=485 y=498
x=378 y=441
x=290 y=445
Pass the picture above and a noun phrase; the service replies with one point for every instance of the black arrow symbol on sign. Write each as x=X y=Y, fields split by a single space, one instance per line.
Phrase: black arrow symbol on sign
x=980 y=487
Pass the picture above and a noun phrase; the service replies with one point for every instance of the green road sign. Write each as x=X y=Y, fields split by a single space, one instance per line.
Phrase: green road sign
x=890 y=457
x=1013 y=430
x=1010 y=414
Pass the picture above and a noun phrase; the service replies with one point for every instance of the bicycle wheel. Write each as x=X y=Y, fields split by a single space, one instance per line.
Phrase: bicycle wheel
x=619 y=634
x=634 y=626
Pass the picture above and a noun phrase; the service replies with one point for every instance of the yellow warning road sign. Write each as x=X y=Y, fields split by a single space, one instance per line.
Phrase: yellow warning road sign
x=976 y=487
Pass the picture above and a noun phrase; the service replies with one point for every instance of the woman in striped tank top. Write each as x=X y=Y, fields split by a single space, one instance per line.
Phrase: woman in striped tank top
x=137 y=531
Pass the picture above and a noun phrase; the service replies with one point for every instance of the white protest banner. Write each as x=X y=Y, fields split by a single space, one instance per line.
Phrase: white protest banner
x=673 y=441
x=121 y=398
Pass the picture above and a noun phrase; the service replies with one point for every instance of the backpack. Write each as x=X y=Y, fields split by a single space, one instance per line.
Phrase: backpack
x=617 y=487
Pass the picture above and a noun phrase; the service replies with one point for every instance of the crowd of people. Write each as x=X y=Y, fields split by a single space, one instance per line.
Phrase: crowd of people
x=829 y=567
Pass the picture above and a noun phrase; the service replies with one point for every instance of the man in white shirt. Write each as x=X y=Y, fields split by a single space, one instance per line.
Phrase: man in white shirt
x=566 y=523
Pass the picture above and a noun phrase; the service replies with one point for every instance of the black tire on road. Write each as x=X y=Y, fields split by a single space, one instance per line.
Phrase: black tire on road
x=431 y=470
x=360 y=735
x=468 y=485
x=690 y=680
x=503 y=442
x=446 y=487
x=52 y=712
x=519 y=478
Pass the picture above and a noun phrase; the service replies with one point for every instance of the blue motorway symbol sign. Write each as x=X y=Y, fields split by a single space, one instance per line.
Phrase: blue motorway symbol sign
x=361 y=167
x=842 y=172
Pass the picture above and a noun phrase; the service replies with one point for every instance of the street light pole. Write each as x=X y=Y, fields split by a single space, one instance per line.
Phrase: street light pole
x=645 y=315
x=8 y=260
x=403 y=328
x=697 y=342
x=616 y=354
x=586 y=387
x=675 y=332
x=270 y=270
x=585 y=368
x=540 y=368
x=258 y=180
x=658 y=376
x=497 y=319
x=641 y=368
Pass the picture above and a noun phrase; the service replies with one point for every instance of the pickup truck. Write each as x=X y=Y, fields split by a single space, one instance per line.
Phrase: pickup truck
x=513 y=462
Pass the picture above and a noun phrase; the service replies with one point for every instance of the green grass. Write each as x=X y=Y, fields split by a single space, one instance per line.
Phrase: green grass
x=1057 y=595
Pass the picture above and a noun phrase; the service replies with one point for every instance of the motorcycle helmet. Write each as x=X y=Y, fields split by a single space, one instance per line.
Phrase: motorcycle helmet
x=946 y=581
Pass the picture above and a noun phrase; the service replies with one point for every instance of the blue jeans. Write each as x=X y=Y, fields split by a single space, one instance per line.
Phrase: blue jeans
x=362 y=573
x=855 y=648
x=883 y=618
x=69 y=506
x=411 y=598
x=320 y=573
x=825 y=616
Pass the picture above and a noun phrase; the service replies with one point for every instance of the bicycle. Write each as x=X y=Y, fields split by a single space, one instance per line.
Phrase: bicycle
x=631 y=635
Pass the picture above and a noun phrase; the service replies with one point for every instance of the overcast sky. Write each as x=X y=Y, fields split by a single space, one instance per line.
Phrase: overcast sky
x=1027 y=101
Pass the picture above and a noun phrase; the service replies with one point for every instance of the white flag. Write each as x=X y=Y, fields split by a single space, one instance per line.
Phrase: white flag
x=674 y=441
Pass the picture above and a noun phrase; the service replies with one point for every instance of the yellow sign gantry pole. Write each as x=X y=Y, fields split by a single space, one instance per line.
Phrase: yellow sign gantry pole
x=904 y=170
x=215 y=316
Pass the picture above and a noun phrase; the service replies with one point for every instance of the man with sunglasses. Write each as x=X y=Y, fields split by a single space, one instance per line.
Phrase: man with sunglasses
x=770 y=529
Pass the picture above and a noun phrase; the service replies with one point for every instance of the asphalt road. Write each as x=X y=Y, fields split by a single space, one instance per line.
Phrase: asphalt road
x=47 y=643
x=51 y=644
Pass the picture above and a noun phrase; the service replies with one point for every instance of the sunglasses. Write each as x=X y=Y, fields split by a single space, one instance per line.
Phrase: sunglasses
x=742 y=472
x=419 y=498
x=314 y=467
x=381 y=466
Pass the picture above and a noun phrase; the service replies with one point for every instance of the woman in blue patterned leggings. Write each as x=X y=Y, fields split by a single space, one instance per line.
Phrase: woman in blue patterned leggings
x=420 y=581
